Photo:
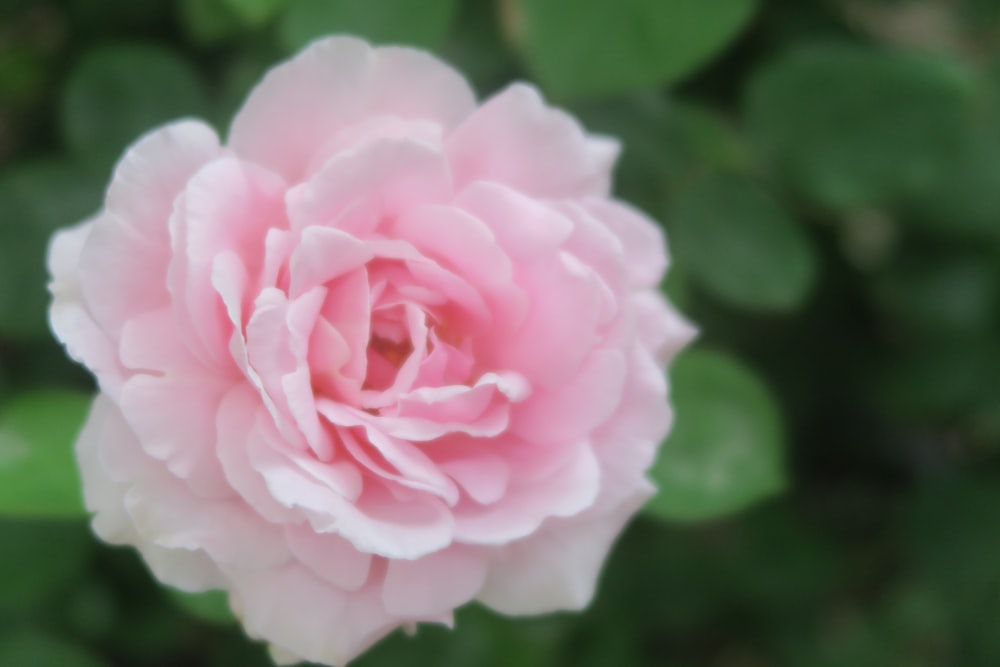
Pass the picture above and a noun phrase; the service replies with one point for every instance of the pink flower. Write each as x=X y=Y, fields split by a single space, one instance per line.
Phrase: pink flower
x=383 y=353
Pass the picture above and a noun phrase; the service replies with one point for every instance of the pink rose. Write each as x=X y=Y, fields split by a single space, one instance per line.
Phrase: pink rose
x=384 y=353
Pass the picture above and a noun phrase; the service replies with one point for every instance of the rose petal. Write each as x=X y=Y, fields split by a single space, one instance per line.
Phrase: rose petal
x=69 y=317
x=335 y=82
x=324 y=253
x=131 y=238
x=516 y=139
x=642 y=239
x=237 y=426
x=312 y=619
x=226 y=206
x=330 y=557
x=434 y=584
x=556 y=569
x=390 y=176
x=572 y=411
x=567 y=491
x=525 y=228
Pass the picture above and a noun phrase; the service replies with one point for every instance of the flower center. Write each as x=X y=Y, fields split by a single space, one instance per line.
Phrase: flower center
x=389 y=346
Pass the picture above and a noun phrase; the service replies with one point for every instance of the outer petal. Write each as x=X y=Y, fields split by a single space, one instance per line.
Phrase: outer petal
x=69 y=317
x=102 y=494
x=334 y=83
x=434 y=584
x=132 y=238
x=557 y=568
x=626 y=444
x=307 y=617
x=516 y=139
x=188 y=570
x=331 y=557
x=174 y=417
x=641 y=237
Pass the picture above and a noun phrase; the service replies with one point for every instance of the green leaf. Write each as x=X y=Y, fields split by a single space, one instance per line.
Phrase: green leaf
x=936 y=379
x=38 y=473
x=40 y=560
x=211 y=606
x=117 y=93
x=25 y=647
x=609 y=46
x=415 y=22
x=941 y=293
x=727 y=444
x=738 y=242
x=851 y=127
x=476 y=42
x=948 y=533
x=36 y=199
x=964 y=201
x=208 y=21
x=665 y=143
x=255 y=13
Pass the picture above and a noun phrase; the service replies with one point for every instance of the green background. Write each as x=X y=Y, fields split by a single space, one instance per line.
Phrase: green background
x=828 y=172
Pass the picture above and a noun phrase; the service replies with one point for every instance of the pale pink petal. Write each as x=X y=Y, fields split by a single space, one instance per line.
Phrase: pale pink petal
x=399 y=462
x=516 y=139
x=102 y=493
x=661 y=328
x=483 y=477
x=525 y=228
x=336 y=82
x=415 y=268
x=271 y=358
x=375 y=522
x=69 y=316
x=445 y=364
x=161 y=510
x=413 y=84
x=237 y=425
x=572 y=411
x=566 y=491
x=153 y=171
x=373 y=129
x=492 y=422
x=457 y=241
x=226 y=206
x=151 y=343
x=324 y=253
x=296 y=610
x=560 y=329
x=167 y=515
x=627 y=443
x=174 y=419
x=347 y=311
x=131 y=238
x=556 y=569
x=230 y=281
x=641 y=237
x=190 y=571
x=113 y=250
x=391 y=528
x=434 y=584
x=390 y=176
x=597 y=246
x=330 y=557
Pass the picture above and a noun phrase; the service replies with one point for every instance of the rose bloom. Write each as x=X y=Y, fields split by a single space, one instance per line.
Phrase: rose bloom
x=383 y=353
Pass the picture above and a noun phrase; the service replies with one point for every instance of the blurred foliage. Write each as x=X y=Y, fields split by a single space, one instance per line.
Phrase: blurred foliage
x=828 y=172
